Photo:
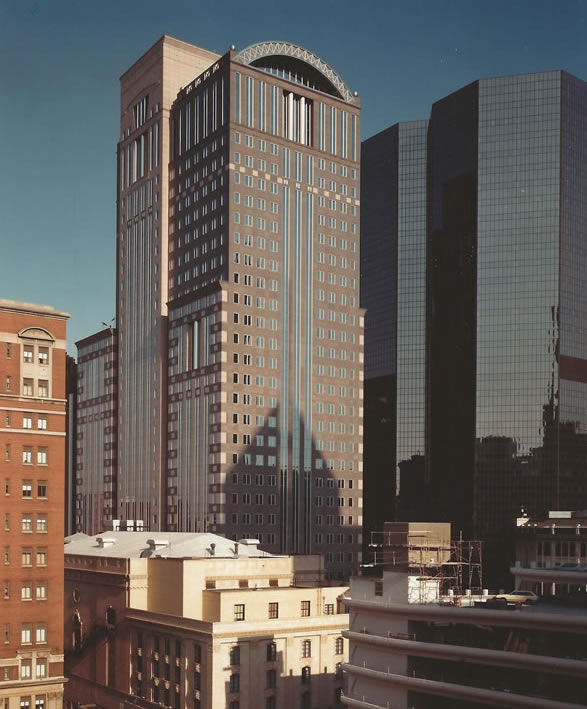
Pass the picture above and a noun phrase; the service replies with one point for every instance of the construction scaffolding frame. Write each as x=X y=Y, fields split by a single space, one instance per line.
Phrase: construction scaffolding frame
x=455 y=565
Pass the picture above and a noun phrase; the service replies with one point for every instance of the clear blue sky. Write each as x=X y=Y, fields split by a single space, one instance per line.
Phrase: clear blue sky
x=60 y=61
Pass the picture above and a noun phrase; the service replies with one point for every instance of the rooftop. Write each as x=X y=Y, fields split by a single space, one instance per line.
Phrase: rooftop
x=170 y=545
x=7 y=304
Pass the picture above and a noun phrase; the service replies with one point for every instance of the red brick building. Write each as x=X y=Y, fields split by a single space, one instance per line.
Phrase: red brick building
x=32 y=464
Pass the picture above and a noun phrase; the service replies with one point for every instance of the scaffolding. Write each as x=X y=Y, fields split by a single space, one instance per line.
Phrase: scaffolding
x=455 y=567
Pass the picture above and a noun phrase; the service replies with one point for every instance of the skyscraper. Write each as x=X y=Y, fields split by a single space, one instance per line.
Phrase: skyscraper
x=32 y=435
x=147 y=91
x=491 y=303
x=240 y=332
x=96 y=419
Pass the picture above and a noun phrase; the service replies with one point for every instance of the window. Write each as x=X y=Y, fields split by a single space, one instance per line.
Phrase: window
x=307 y=648
x=7 y=451
x=42 y=487
x=26 y=634
x=239 y=611
x=28 y=354
x=43 y=356
x=339 y=646
x=41 y=557
x=41 y=523
x=270 y=679
x=27 y=523
x=235 y=683
x=42 y=423
x=27 y=421
x=41 y=669
x=27 y=488
x=43 y=388
x=27 y=455
x=27 y=557
x=235 y=655
x=273 y=611
x=41 y=590
x=27 y=387
x=271 y=652
x=25 y=669
x=306 y=674
x=26 y=591
x=305 y=609
x=41 y=633
x=329 y=609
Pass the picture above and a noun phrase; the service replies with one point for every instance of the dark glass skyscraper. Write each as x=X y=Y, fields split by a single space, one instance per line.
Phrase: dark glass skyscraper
x=489 y=345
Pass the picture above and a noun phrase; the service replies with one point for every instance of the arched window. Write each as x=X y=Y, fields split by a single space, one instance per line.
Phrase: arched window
x=307 y=648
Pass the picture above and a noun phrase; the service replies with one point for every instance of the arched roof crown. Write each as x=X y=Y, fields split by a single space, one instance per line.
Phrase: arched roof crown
x=296 y=64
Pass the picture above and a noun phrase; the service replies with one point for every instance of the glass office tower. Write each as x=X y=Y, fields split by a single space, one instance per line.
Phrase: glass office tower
x=393 y=269
x=505 y=404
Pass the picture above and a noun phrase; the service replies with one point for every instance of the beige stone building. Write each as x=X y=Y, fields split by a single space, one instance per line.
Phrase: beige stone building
x=199 y=621
x=240 y=336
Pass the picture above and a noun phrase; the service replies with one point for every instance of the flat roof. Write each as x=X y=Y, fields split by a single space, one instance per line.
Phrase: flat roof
x=7 y=304
x=105 y=334
x=170 y=545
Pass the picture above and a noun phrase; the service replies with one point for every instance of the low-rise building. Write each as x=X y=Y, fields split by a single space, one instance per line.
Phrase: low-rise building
x=408 y=654
x=558 y=540
x=196 y=620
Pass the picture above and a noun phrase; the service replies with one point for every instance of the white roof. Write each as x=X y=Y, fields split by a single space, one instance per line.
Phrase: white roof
x=173 y=545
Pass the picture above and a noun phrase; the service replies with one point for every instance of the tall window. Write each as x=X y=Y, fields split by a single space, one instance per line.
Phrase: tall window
x=305 y=609
x=273 y=611
x=271 y=652
x=307 y=648
x=297 y=118
x=239 y=611
x=235 y=655
x=339 y=646
x=26 y=634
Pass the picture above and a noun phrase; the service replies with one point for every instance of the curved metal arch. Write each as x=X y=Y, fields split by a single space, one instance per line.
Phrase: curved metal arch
x=275 y=48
